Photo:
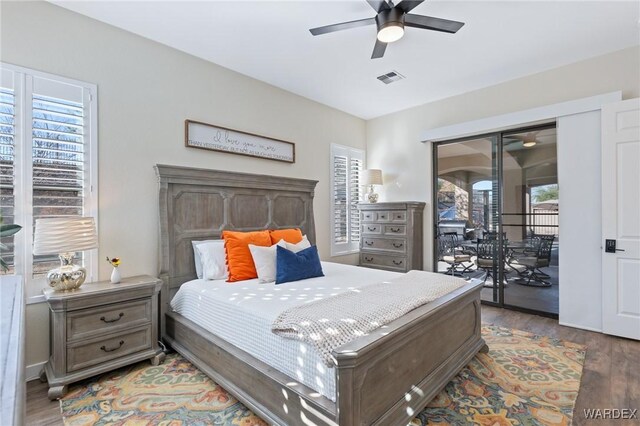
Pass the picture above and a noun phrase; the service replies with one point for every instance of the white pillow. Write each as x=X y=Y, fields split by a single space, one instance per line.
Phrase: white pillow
x=264 y=258
x=304 y=244
x=196 y=254
x=213 y=259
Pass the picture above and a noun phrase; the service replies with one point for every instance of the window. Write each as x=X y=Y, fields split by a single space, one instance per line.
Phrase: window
x=48 y=163
x=346 y=192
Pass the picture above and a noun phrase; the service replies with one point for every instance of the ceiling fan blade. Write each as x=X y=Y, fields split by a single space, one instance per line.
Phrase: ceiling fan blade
x=431 y=23
x=342 y=26
x=379 y=5
x=408 y=5
x=378 y=49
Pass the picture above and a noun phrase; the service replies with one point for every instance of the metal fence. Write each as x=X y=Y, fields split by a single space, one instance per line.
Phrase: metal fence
x=544 y=222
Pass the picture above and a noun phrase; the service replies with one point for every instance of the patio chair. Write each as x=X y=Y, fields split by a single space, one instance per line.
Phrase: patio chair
x=545 y=257
x=487 y=254
x=454 y=258
x=539 y=256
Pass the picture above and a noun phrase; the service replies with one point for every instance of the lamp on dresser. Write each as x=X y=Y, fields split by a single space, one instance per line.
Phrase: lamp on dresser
x=371 y=177
x=65 y=236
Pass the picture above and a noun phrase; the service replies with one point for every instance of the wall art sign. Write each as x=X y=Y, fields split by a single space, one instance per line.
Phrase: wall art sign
x=216 y=138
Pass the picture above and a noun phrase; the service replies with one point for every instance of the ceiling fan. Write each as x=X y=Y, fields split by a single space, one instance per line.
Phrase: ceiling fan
x=391 y=20
x=530 y=139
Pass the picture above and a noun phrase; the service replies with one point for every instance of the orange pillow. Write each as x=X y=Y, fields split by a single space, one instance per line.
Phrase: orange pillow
x=239 y=260
x=293 y=235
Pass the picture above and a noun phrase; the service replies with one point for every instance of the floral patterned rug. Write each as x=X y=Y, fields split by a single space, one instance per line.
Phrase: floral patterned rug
x=525 y=379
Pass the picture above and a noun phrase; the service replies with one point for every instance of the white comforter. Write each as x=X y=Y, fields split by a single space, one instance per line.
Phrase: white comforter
x=242 y=314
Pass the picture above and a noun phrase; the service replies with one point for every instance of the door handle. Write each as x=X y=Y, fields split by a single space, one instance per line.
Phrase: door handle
x=610 y=246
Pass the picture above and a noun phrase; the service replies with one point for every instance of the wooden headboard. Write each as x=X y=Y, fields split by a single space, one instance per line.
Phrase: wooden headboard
x=198 y=204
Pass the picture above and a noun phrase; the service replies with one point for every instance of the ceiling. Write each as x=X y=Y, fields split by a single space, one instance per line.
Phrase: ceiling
x=270 y=41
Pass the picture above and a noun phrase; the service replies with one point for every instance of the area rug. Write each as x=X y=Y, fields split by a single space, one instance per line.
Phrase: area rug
x=525 y=379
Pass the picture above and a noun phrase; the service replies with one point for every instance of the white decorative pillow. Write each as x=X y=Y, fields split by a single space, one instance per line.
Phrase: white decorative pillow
x=196 y=254
x=214 y=262
x=304 y=244
x=264 y=258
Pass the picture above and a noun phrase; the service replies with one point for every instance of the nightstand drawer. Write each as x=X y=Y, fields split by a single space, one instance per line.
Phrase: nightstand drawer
x=107 y=319
x=388 y=244
x=383 y=261
x=97 y=351
x=394 y=230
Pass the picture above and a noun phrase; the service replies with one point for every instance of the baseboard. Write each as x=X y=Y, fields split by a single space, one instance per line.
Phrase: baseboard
x=32 y=372
x=582 y=327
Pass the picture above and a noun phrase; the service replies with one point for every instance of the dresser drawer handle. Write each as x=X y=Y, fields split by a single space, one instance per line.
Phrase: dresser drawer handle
x=395 y=229
x=104 y=348
x=399 y=216
x=368 y=259
x=112 y=320
x=369 y=243
x=397 y=262
x=371 y=229
x=397 y=245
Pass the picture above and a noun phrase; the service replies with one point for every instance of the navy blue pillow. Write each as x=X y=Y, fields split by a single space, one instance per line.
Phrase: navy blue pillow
x=292 y=266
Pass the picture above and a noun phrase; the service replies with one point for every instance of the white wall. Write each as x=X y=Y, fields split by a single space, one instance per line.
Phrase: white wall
x=146 y=90
x=394 y=141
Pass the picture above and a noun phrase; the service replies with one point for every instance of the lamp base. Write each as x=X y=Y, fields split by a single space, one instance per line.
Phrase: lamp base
x=68 y=276
x=372 y=196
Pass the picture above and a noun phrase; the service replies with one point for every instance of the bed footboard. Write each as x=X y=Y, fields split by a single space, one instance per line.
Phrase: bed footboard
x=384 y=378
x=387 y=377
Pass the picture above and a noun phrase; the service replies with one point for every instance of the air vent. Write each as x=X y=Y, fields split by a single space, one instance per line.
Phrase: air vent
x=390 y=77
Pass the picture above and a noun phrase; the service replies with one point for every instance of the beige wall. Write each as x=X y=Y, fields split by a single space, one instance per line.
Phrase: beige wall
x=393 y=141
x=146 y=90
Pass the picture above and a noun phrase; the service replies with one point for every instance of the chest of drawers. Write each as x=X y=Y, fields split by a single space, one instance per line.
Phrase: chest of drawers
x=100 y=327
x=391 y=235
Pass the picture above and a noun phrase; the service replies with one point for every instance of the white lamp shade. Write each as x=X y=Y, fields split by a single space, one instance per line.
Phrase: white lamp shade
x=64 y=235
x=371 y=177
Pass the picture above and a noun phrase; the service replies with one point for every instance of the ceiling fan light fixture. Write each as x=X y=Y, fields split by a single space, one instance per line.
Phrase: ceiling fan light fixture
x=390 y=33
x=390 y=25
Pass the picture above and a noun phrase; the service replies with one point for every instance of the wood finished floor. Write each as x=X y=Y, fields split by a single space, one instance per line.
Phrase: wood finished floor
x=611 y=376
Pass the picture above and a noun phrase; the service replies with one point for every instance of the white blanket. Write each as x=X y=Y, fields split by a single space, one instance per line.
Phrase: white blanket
x=242 y=314
x=331 y=322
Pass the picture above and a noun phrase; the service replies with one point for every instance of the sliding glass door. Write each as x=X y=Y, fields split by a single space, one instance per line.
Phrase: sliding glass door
x=467 y=208
x=529 y=216
x=496 y=210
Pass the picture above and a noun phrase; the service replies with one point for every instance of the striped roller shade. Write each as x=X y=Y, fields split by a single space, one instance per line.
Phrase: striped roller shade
x=64 y=235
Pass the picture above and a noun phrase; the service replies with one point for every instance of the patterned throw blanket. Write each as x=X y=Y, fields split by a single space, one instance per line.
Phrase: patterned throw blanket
x=329 y=323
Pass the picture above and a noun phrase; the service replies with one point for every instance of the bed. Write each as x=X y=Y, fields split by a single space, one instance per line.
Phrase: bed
x=383 y=378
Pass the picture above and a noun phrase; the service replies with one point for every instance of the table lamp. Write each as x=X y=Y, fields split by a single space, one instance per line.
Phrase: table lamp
x=372 y=177
x=65 y=236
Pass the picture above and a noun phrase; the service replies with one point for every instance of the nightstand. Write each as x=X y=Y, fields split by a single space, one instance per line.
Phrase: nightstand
x=100 y=327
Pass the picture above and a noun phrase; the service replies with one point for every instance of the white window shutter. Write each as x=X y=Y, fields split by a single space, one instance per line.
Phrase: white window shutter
x=346 y=192
x=48 y=162
x=58 y=131
x=7 y=164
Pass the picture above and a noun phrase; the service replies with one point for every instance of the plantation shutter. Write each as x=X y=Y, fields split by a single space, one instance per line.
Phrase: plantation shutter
x=340 y=202
x=355 y=196
x=58 y=154
x=346 y=192
x=7 y=163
